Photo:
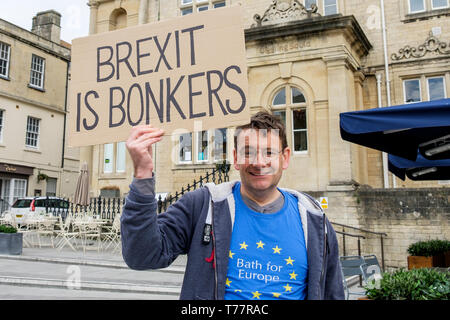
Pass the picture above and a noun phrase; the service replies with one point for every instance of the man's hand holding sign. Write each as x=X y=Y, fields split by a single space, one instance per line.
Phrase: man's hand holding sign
x=168 y=75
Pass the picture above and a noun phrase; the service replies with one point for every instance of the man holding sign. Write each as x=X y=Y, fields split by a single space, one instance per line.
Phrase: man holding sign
x=244 y=240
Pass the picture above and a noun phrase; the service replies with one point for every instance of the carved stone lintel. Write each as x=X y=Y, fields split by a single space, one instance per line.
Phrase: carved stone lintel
x=284 y=11
x=431 y=45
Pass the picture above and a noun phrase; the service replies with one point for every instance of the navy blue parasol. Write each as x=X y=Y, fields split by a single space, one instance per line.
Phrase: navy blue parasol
x=421 y=169
x=402 y=130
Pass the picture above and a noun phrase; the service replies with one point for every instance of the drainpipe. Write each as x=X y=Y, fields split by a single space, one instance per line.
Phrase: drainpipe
x=384 y=154
x=386 y=69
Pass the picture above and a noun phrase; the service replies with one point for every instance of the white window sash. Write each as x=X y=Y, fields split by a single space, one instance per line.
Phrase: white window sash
x=428 y=86
x=404 y=90
x=409 y=7
x=441 y=7
x=7 y=57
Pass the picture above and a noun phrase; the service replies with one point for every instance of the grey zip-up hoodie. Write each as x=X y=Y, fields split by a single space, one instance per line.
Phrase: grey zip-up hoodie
x=151 y=241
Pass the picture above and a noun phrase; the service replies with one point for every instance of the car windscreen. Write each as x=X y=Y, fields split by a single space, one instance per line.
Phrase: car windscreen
x=22 y=203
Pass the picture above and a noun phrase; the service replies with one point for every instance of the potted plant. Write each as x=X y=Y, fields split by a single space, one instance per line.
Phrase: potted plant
x=428 y=254
x=415 y=284
x=10 y=240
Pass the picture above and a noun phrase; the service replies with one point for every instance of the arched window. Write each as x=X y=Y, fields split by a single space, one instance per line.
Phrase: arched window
x=118 y=19
x=289 y=104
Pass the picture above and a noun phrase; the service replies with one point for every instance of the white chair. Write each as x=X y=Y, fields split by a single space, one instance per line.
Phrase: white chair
x=46 y=227
x=64 y=235
x=112 y=235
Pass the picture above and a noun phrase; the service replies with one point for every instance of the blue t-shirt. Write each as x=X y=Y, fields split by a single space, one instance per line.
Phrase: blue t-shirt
x=267 y=258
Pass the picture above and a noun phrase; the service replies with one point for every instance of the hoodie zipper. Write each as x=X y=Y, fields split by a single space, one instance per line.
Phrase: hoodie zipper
x=214 y=252
x=325 y=245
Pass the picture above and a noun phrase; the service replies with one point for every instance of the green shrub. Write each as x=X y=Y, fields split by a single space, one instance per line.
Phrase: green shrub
x=429 y=248
x=415 y=284
x=7 y=229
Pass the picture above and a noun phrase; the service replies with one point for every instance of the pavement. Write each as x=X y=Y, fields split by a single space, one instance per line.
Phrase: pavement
x=47 y=273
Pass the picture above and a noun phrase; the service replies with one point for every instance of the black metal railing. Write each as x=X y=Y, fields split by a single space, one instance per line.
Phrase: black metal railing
x=217 y=175
x=359 y=237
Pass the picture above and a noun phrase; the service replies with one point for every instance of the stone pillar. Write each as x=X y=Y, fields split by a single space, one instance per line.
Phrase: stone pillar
x=143 y=11
x=339 y=100
x=93 y=5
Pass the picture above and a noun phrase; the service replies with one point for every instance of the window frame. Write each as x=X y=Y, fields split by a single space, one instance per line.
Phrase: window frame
x=179 y=149
x=437 y=8
x=116 y=166
x=197 y=146
x=2 y=116
x=27 y=138
x=112 y=164
x=413 y=12
x=194 y=5
x=224 y=158
x=289 y=107
x=404 y=90
x=8 y=59
x=324 y=8
x=34 y=57
x=443 y=83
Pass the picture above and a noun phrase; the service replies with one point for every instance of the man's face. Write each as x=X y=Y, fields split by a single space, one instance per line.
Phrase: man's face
x=259 y=158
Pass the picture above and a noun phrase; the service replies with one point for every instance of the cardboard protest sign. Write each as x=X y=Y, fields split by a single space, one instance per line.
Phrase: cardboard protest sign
x=188 y=73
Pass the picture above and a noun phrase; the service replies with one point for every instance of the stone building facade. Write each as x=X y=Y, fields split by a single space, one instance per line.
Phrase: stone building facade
x=34 y=71
x=308 y=61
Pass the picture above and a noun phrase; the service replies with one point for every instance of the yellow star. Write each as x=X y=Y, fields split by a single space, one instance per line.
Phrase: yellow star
x=293 y=275
x=237 y=290
x=277 y=250
x=228 y=282
x=231 y=254
x=243 y=245
x=260 y=244
x=287 y=287
x=289 y=261
x=256 y=294
x=276 y=295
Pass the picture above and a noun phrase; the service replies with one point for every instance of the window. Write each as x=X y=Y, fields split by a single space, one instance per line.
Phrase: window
x=330 y=7
x=416 y=6
x=219 y=4
x=114 y=155
x=186 y=147
x=299 y=130
x=202 y=146
x=19 y=189
x=309 y=3
x=120 y=155
x=439 y=4
x=281 y=115
x=190 y=6
x=5 y=50
x=289 y=104
x=1 y=125
x=220 y=144
x=108 y=158
x=37 y=72
x=51 y=187
x=436 y=88
x=412 y=91
x=186 y=11
x=32 y=135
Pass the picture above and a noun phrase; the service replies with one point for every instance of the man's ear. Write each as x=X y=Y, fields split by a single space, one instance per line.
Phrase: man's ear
x=286 y=154
x=235 y=164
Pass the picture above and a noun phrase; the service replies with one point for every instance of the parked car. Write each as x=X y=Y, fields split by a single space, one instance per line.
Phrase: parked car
x=34 y=206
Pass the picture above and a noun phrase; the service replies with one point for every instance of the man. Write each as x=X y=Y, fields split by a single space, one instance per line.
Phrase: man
x=244 y=240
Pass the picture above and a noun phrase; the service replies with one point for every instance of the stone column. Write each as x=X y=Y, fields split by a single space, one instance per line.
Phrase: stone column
x=340 y=99
x=93 y=5
x=143 y=11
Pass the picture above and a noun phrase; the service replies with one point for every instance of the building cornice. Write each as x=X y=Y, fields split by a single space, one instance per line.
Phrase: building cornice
x=311 y=26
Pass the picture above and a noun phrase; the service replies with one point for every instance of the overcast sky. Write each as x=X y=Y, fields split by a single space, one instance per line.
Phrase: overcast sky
x=74 y=15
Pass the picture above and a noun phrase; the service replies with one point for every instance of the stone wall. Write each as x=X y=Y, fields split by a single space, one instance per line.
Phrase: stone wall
x=405 y=215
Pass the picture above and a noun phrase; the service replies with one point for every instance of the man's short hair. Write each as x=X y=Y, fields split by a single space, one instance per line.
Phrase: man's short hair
x=267 y=121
